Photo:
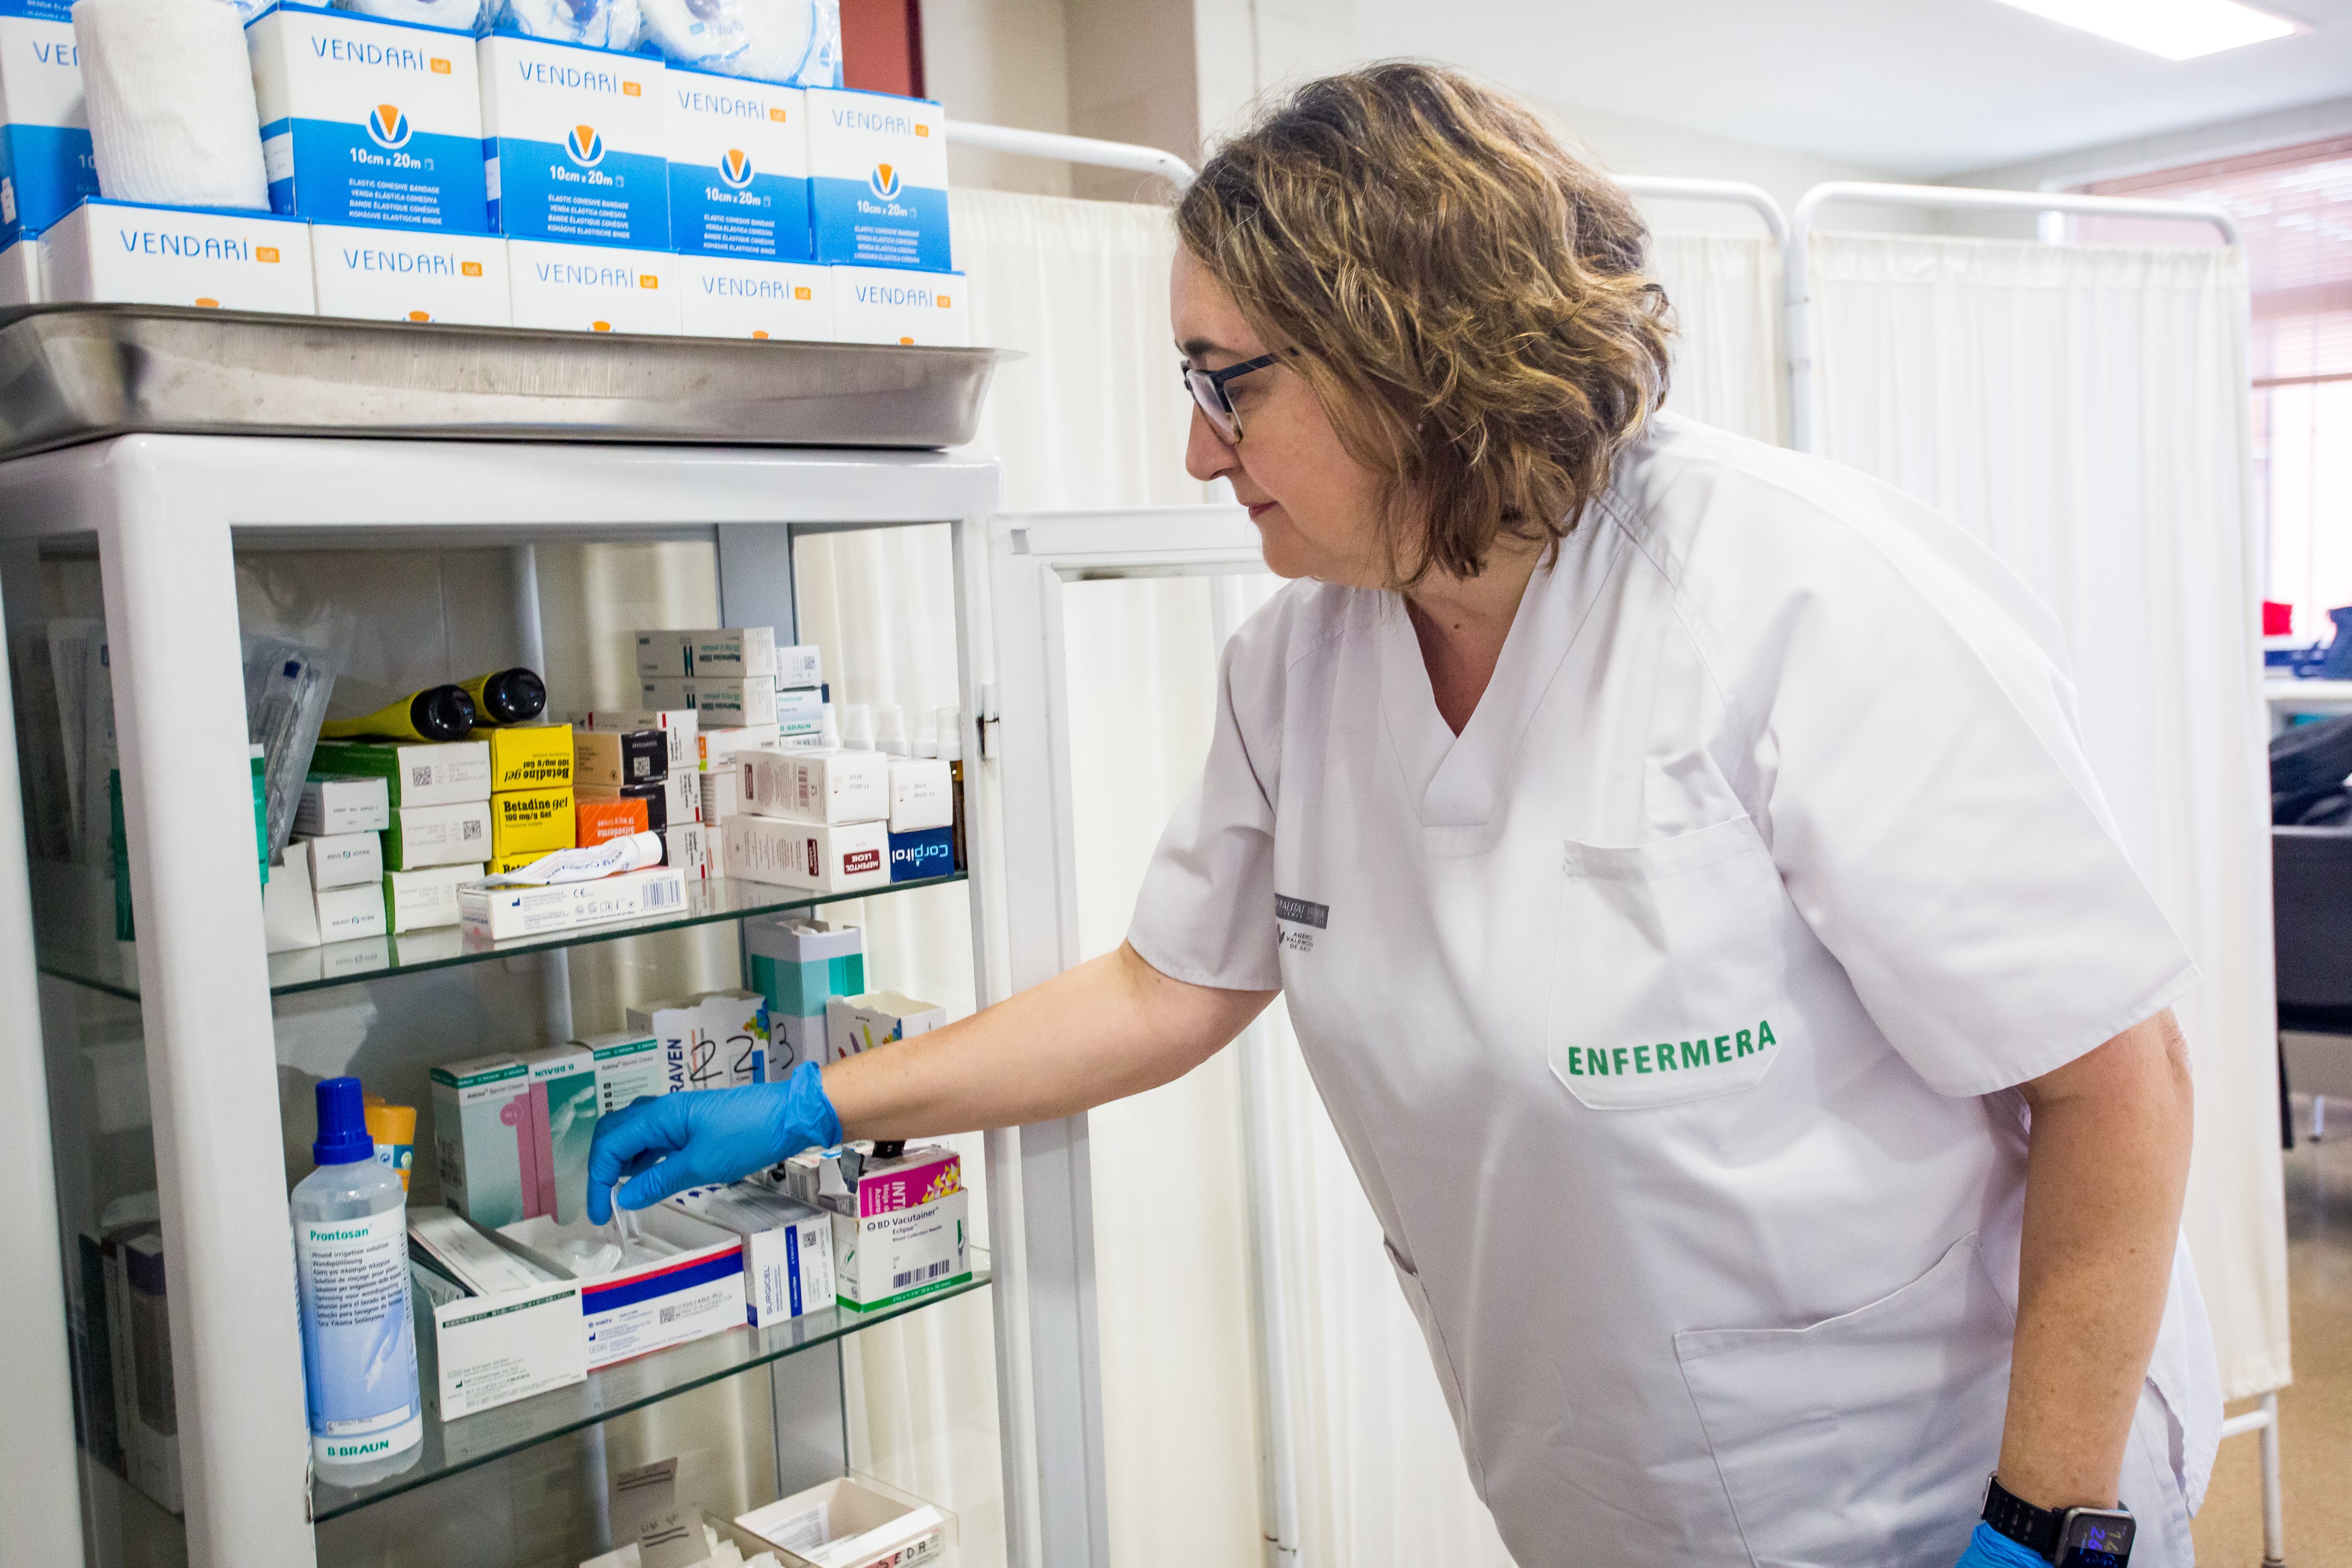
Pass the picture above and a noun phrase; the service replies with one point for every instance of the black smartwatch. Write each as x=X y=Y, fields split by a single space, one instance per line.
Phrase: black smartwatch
x=2069 y=1537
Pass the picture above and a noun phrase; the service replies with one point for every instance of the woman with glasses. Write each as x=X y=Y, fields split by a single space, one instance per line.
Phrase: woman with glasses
x=1680 y=864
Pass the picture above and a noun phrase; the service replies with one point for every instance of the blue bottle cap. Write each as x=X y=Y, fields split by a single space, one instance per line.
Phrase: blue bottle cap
x=342 y=1124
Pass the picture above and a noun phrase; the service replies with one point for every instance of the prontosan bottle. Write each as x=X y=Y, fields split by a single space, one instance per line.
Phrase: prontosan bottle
x=351 y=1265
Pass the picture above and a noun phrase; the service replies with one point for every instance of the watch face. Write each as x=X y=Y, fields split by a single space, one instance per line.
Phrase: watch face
x=2095 y=1540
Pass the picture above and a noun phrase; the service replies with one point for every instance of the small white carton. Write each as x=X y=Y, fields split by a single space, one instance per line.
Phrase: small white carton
x=884 y=305
x=878 y=179
x=123 y=252
x=290 y=908
x=923 y=794
x=738 y=166
x=502 y=1329
x=787 y=1247
x=800 y=713
x=628 y=1068
x=719 y=703
x=737 y=1027
x=415 y=772
x=853 y=1522
x=679 y=723
x=576 y=145
x=424 y=898
x=593 y=288
x=803 y=664
x=827 y=857
x=688 y=846
x=342 y=805
x=817 y=786
x=453 y=835
x=499 y=913
x=696 y=1290
x=346 y=914
x=342 y=859
x=388 y=275
x=716 y=744
x=736 y=297
x=880 y=1260
x=723 y=653
x=857 y=1024
x=722 y=791
x=44 y=125
x=688 y=1059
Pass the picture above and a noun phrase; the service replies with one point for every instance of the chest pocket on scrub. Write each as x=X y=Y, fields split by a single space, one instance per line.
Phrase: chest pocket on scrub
x=1666 y=969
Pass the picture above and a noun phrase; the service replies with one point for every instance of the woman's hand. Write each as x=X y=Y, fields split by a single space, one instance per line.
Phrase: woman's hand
x=661 y=1144
x=1988 y=1548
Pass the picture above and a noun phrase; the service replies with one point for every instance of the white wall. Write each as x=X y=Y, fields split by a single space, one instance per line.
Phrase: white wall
x=1000 y=62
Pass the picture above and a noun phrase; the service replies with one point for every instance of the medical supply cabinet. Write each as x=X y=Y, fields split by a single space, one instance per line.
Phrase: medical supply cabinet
x=159 y=1060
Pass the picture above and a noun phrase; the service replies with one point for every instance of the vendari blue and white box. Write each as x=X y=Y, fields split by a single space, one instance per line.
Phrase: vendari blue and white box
x=365 y=120
x=575 y=144
x=137 y=254
x=890 y=305
x=593 y=288
x=878 y=179
x=734 y=297
x=393 y=275
x=738 y=167
x=44 y=159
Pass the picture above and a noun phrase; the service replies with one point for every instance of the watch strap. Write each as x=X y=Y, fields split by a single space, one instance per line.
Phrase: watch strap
x=2035 y=1529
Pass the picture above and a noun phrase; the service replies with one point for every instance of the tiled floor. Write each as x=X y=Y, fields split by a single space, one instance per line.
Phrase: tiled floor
x=2315 y=1414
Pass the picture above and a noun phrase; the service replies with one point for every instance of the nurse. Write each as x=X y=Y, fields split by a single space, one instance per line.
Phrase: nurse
x=1680 y=863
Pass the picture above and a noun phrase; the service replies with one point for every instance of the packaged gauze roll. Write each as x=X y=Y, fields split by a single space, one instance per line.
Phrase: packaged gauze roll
x=170 y=94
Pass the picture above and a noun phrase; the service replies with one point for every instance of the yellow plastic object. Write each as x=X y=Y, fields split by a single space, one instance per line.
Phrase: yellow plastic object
x=394 y=1128
x=514 y=696
x=435 y=713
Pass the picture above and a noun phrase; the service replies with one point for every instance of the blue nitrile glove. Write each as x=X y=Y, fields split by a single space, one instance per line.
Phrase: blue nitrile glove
x=1989 y=1548
x=666 y=1143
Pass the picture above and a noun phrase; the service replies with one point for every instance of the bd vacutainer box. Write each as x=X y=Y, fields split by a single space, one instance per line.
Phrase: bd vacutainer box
x=128 y=253
x=878 y=179
x=367 y=120
x=593 y=288
x=386 y=275
x=883 y=305
x=46 y=165
x=738 y=166
x=576 y=145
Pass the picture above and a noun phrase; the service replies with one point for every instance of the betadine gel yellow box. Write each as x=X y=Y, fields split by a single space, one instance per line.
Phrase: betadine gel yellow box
x=125 y=252
x=593 y=288
x=733 y=297
x=530 y=756
x=393 y=275
x=531 y=821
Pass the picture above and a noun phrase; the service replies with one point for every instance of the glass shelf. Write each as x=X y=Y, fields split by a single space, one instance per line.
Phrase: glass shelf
x=478 y=1439
x=74 y=932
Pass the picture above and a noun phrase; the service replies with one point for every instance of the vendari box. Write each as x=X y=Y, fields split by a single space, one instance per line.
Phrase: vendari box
x=385 y=275
x=121 y=252
x=575 y=144
x=738 y=167
x=878 y=179
x=45 y=164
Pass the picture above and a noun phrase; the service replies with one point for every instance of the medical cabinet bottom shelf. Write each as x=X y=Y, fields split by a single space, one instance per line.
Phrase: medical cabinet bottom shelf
x=490 y=1435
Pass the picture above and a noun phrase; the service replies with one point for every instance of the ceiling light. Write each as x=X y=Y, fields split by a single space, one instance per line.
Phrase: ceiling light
x=2176 y=29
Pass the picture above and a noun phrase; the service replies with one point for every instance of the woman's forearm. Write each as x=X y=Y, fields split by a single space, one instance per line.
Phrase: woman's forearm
x=2108 y=1167
x=1112 y=1027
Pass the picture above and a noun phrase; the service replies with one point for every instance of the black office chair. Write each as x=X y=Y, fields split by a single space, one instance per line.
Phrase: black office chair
x=2311 y=925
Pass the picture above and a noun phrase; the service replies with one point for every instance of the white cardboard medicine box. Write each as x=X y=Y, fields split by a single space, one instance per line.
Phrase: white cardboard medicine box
x=738 y=166
x=923 y=794
x=853 y=1522
x=342 y=859
x=43 y=124
x=829 y=858
x=695 y=1291
x=884 y=305
x=342 y=805
x=499 y=913
x=577 y=145
x=878 y=179
x=385 y=275
x=817 y=786
x=719 y=703
x=122 y=252
x=347 y=914
x=736 y=297
x=717 y=654
x=592 y=289
x=677 y=724
x=422 y=900
x=787 y=1247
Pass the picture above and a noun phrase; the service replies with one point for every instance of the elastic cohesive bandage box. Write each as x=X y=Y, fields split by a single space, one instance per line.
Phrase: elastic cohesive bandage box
x=46 y=165
x=880 y=305
x=593 y=288
x=575 y=144
x=368 y=121
x=878 y=179
x=122 y=252
x=734 y=297
x=385 y=275
x=738 y=166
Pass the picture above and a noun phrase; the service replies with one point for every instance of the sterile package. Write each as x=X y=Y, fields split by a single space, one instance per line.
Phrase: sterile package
x=787 y=1247
x=677 y=723
x=859 y=1023
x=719 y=703
x=593 y=288
x=798 y=965
x=564 y=1108
x=880 y=305
x=878 y=179
x=120 y=252
x=853 y=1522
x=576 y=145
x=738 y=167
x=735 y=297
x=481 y=1114
x=793 y=41
x=529 y=756
x=426 y=899
x=817 y=786
x=692 y=1287
x=628 y=1068
x=616 y=757
x=921 y=795
x=331 y=804
x=499 y=913
x=44 y=125
x=736 y=1024
x=414 y=773
x=349 y=913
x=829 y=858
x=437 y=834
x=342 y=859
x=385 y=275
x=532 y=821
x=368 y=121
x=925 y=852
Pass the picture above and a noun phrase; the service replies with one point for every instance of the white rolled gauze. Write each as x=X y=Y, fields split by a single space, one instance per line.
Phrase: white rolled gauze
x=170 y=94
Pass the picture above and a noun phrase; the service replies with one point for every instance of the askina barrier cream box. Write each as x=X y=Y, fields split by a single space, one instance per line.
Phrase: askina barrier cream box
x=564 y=1090
x=677 y=723
x=696 y=1290
x=738 y=166
x=45 y=164
x=418 y=773
x=426 y=899
x=828 y=858
x=592 y=289
x=877 y=305
x=499 y=913
x=385 y=275
x=530 y=756
x=721 y=653
x=481 y=1138
x=122 y=252
x=855 y=1024
x=731 y=297
x=736 y=1023
x=332 y=804
x=817 y=786
x=367 y=120
x=719 y=703
x=575 y=143
x=787 y=1247
x=799 y=964
x=532 y=821
x=437 y=835
x=688 y=1059
x=628 y=1068
x=878 y=179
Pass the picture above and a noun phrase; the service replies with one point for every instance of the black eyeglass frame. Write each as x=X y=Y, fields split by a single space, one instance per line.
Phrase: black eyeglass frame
x=1208 y=390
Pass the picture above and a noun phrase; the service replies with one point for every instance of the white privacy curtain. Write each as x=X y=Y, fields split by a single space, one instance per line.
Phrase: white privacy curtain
x=1725 y=292
x=2084 y=410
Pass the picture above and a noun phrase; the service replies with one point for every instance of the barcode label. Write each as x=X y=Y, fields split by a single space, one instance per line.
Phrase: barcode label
x=669 y=1314
x=421 y=776
x=916 y=1275
x=661 y=895
x=470 y=828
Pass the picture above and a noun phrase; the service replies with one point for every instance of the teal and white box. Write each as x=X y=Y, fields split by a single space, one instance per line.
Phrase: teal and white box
x=368 y=120
x=878 y=179
x=593 y=288
x=566 y=1075
x=629 y=1067
x=797 y=964
x=132 y=253
x=735 y=297
x=46 y=165
x=890 y=305
x=404 y=274
x=576 y=144
x=482 y=1136
x=738 y=166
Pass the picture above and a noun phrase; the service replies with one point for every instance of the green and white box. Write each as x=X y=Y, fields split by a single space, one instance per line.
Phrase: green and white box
x=481 y=1134
x=799 y=964
x=423 y=835
x=881 y=1259
x=567 y=1075
x=628 y=1068
x=420 y=773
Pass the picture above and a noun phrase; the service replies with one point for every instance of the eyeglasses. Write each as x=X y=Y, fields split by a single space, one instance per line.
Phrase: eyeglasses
x=1208 y=390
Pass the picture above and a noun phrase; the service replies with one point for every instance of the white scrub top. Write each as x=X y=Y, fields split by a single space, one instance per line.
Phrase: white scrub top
x=1671 y=1013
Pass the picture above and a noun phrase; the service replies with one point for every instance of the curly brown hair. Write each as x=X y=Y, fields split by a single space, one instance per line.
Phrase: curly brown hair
x=1464 y=295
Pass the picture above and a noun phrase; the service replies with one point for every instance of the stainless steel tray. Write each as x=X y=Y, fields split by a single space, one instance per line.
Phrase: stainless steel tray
x=70 y=373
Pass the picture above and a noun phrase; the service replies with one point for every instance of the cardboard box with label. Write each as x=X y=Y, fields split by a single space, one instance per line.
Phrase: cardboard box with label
x=564 y=1108
x=577 y=145
x=859 y=1023
x=878 y=179
x=787 y=1247
x=677 y=724
x=420 y=773
x=593 y=288
x=44 y=125
x=478 y=1107
x=736 y=297
x=614 y=757
x=426 y=899
x=532 y=821
x=695 y=1289
x=500 y=914
x=799 y=964
x=331 y=805
x=628 y=1068
x=719 y=703
x=126 y=253
x=817 y=786
x=386 y=275
x=452 y=835
x=738 y=166
x=826 y=857
x=853 y=1522
x=502 y=1329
